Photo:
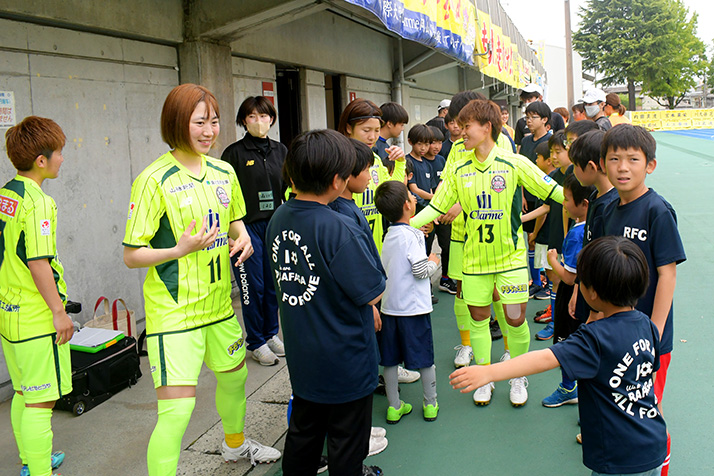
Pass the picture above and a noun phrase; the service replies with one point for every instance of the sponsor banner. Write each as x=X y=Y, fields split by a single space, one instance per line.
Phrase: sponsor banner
x=445 y=25
x=674 y=119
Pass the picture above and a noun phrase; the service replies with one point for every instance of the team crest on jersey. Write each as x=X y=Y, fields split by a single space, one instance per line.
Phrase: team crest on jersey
x=8 y=206
x=375 y=176
x=498 y=184
x=132 y=206
x=45 y=228
x=222 y=196
x=547 y=178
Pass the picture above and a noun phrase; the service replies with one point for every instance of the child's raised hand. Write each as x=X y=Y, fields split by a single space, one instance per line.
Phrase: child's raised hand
x=434 y=258
x=468 y=379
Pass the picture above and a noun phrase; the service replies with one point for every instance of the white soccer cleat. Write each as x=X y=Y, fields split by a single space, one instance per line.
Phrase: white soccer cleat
x=518 y=394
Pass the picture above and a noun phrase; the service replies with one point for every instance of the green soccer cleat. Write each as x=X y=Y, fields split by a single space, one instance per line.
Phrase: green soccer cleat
x=394 y=415
x=430 y=412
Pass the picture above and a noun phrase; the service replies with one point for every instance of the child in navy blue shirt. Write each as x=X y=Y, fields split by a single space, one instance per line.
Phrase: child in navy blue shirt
x=442 y=231
x=406 y=306
x=326 y=282
x=613 y=358
x=584 y=152
x=576 y=205
x=643 y=216
x=420 y=184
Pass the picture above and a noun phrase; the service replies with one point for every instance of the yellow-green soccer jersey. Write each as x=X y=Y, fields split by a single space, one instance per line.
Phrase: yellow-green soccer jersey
x=28 y=231
x=365 y=201
x=490 y=195
x=456 y=157
x=192 y=291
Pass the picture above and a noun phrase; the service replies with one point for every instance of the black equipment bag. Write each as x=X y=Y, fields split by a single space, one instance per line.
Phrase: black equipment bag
x=96 y=377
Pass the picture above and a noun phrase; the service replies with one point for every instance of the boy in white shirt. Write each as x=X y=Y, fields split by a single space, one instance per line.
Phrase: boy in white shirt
x=406 y=305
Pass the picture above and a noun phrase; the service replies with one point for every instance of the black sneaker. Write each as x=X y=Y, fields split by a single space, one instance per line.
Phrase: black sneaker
x=533 y=290
x=434 y=299
x=447 y=285
x=495 y=330
x=371 y=470
x=323 y=464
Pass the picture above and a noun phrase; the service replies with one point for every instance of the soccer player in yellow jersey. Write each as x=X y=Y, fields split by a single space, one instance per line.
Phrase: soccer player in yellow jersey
x=457 y=155
x=488 y=189
x=189 y=316
x=33 y=323
x=362 y=120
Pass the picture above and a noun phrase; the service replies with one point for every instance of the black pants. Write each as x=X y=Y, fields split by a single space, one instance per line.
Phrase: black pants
x=563 y=324
x=443 y=234
x=347 y=427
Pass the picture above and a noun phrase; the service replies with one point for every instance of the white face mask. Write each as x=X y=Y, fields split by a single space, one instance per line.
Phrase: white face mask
x=591 y=111
x=258 y=129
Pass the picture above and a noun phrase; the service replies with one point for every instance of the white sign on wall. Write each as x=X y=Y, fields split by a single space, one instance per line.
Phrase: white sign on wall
x=7 y=109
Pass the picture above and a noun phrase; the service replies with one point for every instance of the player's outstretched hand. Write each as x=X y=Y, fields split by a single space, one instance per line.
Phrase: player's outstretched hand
x=243 y=245
x=64 y=327
x=189 y=243
x=395 y=153
x=468 y=379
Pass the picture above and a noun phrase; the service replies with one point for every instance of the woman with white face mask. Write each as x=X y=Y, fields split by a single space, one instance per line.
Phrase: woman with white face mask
x=258 y=162
x=594 y=102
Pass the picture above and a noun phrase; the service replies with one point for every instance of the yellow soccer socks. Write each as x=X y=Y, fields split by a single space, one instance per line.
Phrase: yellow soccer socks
x=165 y=444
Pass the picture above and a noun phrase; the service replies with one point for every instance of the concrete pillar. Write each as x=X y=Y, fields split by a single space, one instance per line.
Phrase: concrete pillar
x=313 y=106
x=210 y=65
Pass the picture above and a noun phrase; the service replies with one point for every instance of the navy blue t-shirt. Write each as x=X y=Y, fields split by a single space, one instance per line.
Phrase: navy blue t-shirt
x=437 y=165
x=350 y=209
x=422 y=179
x=613 y=360
x=324 y=278
x=556 y=234
x=650 y=223
x=380 y=148
x=446 y=148
x=528 y=146
x=593 y=230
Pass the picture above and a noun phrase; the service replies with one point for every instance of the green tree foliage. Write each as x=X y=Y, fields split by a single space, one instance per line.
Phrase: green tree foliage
x=685 y=60
x=650 y=42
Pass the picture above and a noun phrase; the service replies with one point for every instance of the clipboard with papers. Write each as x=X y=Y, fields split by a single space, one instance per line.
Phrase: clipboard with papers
x=92 y=339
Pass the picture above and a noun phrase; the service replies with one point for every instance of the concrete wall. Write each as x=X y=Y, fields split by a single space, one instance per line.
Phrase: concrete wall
x=323 y=42
x=156 y=19
x=106 y=94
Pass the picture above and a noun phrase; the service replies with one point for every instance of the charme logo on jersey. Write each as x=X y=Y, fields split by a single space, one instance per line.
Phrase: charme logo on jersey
x=296 y=283
x=222 y=238
x=484 y=212
x=8 y=206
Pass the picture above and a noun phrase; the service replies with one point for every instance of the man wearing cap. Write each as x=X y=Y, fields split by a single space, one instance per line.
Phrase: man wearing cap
x=594 y=102
x=529 y=94
x=438 y=121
